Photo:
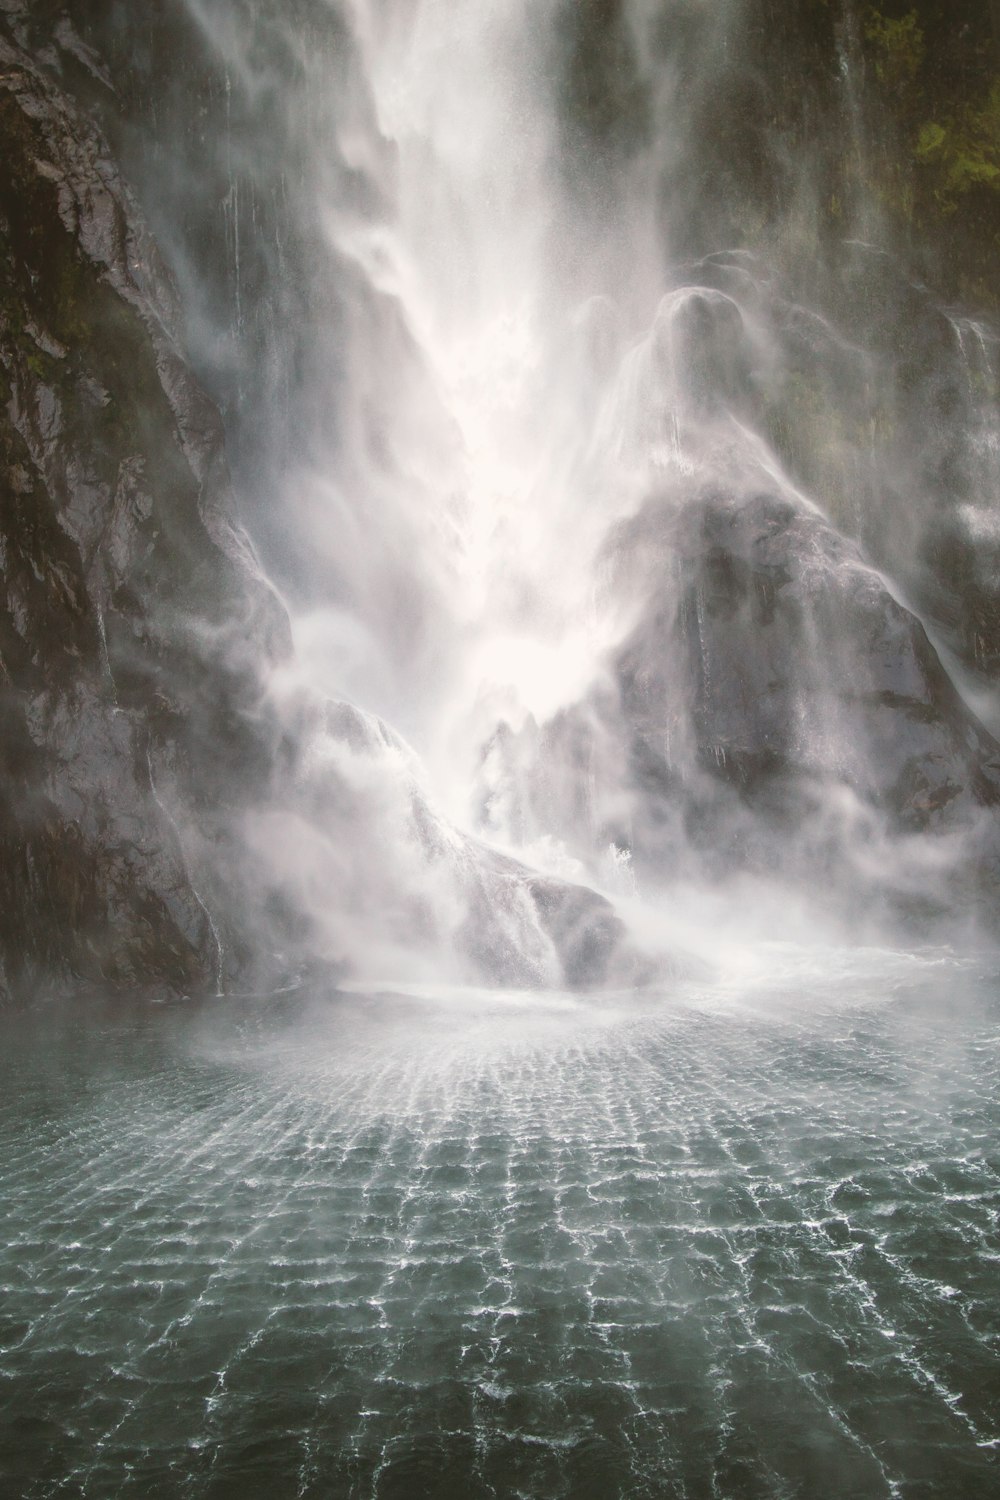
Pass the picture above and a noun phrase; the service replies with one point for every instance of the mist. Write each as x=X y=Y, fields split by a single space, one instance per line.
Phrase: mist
x=499 y=797
x=632 y=533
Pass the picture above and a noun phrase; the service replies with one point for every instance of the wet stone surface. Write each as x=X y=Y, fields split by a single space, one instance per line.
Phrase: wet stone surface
x=738 y=1240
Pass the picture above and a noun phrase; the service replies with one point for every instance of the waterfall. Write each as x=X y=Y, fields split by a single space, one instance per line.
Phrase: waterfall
x=575 y=480
x=625 y=488
x=499 y=796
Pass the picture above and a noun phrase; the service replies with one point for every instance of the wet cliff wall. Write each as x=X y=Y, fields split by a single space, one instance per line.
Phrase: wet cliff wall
x=133 y=623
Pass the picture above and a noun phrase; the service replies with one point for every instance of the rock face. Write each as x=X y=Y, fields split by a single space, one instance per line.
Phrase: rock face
x=131 y=617
x=799 y=664
x=798 y=685
x=773 y=709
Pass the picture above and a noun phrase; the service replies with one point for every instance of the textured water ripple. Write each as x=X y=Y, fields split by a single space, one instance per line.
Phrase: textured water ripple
x=739 y=1241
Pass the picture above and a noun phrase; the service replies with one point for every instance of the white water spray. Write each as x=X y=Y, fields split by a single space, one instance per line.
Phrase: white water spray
x=552 y=462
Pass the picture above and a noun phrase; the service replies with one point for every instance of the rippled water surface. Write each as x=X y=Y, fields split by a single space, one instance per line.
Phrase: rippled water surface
x=736 y=1240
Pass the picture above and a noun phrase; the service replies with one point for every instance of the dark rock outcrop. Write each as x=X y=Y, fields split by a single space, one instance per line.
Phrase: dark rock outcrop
x=132 y=619
x=798 y=664
x=774 y=709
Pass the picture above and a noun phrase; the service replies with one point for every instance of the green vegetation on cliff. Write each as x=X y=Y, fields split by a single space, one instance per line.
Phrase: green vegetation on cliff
x=935 y=83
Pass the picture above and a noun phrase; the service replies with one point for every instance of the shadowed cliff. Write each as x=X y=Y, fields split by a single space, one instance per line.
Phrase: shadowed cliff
x=134 y=622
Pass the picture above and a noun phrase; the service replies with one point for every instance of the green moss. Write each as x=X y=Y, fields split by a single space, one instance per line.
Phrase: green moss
x=961 y=154
x=930 y=141
x=933 y=102
x=898 y=47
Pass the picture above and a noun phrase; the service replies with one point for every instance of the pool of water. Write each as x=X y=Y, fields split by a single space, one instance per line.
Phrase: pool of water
x=736 y=1239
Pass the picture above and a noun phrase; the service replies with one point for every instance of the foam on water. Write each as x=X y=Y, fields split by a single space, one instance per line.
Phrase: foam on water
x=737 y=1239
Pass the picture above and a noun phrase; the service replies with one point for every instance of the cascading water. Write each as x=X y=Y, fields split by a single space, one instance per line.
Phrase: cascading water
x=508 y=532
x=478 y=364
x=637 y=539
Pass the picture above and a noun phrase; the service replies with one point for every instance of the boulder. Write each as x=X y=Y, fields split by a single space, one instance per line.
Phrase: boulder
x=793 y=661
x=774 y=709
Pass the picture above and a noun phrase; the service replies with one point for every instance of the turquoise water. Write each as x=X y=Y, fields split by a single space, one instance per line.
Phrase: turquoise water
x=740 y=1239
